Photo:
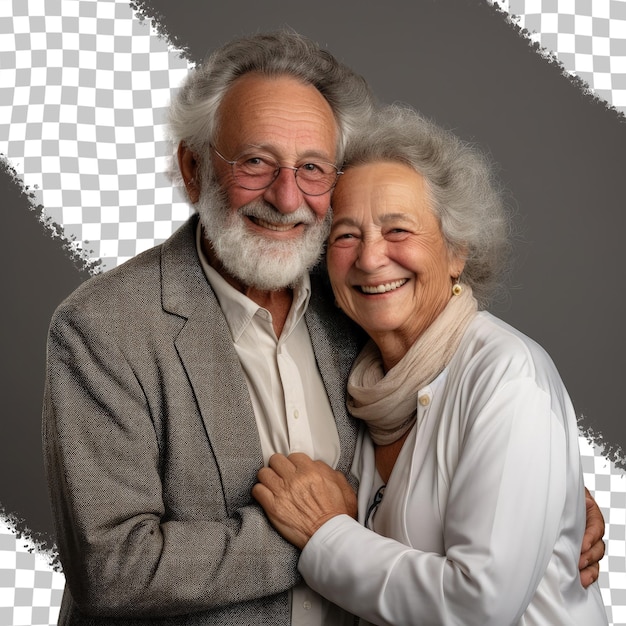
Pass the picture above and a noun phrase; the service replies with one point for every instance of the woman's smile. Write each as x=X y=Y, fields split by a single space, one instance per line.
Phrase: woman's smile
x=381 y=288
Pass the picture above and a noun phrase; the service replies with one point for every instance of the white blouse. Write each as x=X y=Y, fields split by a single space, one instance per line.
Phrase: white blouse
x=482 y=519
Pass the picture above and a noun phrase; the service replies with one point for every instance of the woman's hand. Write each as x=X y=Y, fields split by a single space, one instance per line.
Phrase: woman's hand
x=593 y=546
x=299 y=495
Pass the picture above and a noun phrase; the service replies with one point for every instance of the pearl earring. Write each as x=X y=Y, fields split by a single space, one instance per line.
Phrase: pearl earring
x=457 y=289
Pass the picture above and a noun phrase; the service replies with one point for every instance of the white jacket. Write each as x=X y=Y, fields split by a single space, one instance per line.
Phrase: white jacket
x=483 y=516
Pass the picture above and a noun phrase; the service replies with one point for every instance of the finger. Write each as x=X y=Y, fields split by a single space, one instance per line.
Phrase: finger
x=263 y=496
x=589 y=574
x=302 y=461
x=593 y=555
x=282 y=465
x=595 y=528
x=270 y=479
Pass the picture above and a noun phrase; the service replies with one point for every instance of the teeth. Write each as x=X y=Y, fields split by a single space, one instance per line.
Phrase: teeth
x=383 y=288
x=272 y=226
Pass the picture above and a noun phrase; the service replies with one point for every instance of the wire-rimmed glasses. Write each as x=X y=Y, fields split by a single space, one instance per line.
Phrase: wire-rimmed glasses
x=258 y=171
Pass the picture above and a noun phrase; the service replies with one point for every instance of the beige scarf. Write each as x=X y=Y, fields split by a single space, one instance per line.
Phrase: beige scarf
x=388 y=402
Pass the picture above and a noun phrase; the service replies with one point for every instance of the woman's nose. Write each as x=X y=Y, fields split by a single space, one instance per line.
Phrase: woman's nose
x=372 y=254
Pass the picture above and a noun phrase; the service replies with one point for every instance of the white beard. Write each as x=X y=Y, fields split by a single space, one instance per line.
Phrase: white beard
x=255 y=260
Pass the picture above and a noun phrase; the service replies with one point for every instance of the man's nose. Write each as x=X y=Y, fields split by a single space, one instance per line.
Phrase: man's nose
x=284 y=193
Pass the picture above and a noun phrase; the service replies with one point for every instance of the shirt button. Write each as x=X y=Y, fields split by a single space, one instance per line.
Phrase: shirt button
x=307 y=605
x=296 y=414
x=424 y=400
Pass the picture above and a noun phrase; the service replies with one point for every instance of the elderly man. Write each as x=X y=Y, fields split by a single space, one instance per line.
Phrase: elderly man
x=174 y=377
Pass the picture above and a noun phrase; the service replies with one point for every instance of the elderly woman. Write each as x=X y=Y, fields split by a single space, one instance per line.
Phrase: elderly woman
x=471 y=507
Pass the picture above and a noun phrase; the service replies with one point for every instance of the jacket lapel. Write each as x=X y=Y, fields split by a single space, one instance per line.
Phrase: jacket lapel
x=336 y=342
x=205 y=348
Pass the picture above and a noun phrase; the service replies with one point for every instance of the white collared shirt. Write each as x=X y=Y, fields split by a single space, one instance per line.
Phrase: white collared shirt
x=290 y=403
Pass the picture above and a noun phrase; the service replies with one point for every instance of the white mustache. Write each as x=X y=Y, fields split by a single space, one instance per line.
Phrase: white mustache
x=262 y=210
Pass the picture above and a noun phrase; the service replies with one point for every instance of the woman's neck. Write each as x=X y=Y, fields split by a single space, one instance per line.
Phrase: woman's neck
x=387 y=455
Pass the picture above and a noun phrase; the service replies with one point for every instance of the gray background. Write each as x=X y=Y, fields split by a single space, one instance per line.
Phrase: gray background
x=561 y=155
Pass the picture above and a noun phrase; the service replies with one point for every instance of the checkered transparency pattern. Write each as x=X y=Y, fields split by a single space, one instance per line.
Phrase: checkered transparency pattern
x=84 y=86
x=30 y=589
x=587 y=37
x=83 y=89
x=608 y=485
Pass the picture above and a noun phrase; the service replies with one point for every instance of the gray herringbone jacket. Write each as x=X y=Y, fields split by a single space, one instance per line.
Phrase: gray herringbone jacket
x=152 y=450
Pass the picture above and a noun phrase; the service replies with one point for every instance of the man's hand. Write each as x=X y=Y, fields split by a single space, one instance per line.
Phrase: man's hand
x=299 y=495
x=593 y=546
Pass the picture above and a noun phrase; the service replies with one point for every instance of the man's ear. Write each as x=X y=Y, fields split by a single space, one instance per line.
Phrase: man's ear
x=188 y=165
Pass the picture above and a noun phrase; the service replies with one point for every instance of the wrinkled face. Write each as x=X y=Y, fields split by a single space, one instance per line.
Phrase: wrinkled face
x=388 y=263
x=280 y=118
x=268 y=238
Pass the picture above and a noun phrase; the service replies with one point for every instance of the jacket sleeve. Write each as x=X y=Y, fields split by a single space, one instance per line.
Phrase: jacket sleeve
x=125 y=551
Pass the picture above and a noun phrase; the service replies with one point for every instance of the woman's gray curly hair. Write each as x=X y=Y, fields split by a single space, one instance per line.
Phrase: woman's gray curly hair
x=193 y=113
x=460 y=182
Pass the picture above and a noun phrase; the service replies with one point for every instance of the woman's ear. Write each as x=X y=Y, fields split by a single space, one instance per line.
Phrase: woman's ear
x=188 y=165
x=456 y=266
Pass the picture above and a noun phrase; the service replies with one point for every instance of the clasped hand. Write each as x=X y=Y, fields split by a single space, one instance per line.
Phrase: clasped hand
x=298 y=495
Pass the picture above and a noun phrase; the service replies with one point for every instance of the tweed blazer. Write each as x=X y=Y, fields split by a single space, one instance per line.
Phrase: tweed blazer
x=151 y=448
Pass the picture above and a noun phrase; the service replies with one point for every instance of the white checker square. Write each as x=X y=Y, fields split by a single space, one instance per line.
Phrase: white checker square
x=108 y=250
x=111 y=215
x=7 y=594
x=583 y=24
x=617 y=29
x=602 y=81
x=21 y=24
x=549 y=23
x=123 y=99
x=584 y=63
x=128 y=230
x=618 y=65
x=42 y=597
x=144 y=244
x=128 y=197
x=162 y=230
x=145 y=214
x=24 y=577
x=601 y=46
x=91 y=232
x=566 y=43
x=71 y=214
x=602 y=8
x=105 y=11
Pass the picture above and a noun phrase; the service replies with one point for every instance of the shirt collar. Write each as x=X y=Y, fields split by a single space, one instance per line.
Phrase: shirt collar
x=238 y=308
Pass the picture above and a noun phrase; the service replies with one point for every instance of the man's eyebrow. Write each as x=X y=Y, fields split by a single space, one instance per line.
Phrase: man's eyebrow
x=268 y=149
x=317 y=155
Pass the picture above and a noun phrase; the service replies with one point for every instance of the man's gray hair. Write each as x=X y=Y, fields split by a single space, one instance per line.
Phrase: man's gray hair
x=462 y=189
x=193 y=113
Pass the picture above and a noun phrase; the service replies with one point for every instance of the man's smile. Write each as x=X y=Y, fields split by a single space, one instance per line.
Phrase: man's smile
x=272 y=225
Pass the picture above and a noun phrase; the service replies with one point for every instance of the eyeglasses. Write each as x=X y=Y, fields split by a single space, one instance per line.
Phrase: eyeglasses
x=255 y=172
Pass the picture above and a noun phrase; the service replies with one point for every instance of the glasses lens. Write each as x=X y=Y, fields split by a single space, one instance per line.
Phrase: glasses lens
x=258 y=172
x=255 y=172
x=316 y=178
